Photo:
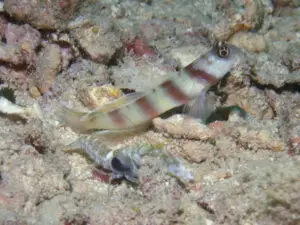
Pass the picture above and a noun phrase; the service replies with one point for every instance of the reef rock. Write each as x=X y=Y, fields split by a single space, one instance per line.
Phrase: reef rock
x=22 y=35
x=48 y=65
x=42 y=14
x=98 y=40
x=271 y=71
x=11 y=54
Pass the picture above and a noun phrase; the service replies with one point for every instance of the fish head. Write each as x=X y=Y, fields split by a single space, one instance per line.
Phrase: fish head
x=125 y=166
x=220 y=60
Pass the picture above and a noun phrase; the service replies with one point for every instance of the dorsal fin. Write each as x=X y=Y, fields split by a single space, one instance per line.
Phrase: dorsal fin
x=126 y=99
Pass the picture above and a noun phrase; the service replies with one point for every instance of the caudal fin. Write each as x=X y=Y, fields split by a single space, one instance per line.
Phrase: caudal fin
x=72 y=119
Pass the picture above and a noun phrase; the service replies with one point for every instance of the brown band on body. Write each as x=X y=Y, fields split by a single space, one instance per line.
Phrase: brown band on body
x=117 y=117
x=147 y=106
x=196 y=73
x=175 y=92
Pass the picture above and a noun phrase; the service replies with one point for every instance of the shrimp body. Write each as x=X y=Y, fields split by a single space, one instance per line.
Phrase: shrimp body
x=126 y=161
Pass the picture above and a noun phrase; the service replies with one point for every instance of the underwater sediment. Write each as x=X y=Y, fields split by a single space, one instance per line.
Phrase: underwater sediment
x=242 y=155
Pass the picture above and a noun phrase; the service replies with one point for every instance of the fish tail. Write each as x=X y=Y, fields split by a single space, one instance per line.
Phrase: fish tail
x=96 y=120
x=73 y=119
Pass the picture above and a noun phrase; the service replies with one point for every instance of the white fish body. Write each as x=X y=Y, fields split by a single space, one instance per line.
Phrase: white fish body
x=179 y=90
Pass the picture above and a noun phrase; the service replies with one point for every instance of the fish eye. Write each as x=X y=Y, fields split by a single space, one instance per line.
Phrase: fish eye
x=223 y=50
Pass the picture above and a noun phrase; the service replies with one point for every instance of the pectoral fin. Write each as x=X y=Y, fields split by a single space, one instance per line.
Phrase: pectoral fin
x=200 y=107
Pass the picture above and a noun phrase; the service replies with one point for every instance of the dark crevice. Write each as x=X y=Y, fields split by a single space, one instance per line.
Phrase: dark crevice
x=8 y=93
x=36 y=142
x=117 y=56
x=293 y=88
x=82 y=52
x=63 y=44
x=16 y=67
x=10 y=19
x=127 y=90
x=206 y=207
x=45 y=34
x=14 y=117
